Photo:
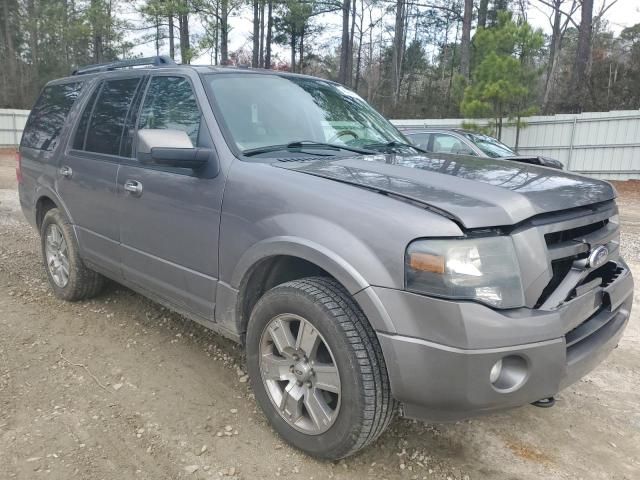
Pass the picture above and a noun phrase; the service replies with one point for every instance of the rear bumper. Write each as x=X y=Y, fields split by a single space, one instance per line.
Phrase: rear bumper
x=439 y=382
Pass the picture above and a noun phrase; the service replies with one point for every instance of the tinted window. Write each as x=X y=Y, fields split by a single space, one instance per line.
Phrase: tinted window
x=449 y=144
x=171 y=104
x=109 y=114
x=81 y=132
x=126 y=148
x=48 y=116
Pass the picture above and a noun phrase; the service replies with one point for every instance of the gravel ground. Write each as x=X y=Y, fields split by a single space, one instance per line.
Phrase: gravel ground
x=118 y=387
x=629 y=204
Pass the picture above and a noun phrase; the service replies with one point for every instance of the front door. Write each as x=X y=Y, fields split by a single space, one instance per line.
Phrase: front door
x=171 y=216
x=88 y=171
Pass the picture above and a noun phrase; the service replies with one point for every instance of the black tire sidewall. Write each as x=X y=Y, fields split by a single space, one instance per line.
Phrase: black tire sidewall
x=343 y=434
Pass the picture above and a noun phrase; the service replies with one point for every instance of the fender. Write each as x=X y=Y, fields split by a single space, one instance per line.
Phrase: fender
x=46 y=191
x=308 y=250
x=315 y=253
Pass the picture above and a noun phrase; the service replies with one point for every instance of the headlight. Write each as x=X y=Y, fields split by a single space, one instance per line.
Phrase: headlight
x=482 y=269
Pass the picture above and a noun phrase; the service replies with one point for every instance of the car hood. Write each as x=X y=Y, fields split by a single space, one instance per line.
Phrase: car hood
x=476 y=192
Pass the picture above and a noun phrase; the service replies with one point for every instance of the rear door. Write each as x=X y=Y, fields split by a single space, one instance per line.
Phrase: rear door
x=169 y=227
x=88 y=172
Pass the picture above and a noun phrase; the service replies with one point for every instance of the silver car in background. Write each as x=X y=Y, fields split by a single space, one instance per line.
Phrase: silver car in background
x=457 y=141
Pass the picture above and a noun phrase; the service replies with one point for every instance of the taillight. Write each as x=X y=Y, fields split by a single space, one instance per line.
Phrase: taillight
x=18 y=167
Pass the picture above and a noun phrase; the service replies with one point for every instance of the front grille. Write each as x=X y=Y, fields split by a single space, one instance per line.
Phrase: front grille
x=572 y=239
x=573 y=234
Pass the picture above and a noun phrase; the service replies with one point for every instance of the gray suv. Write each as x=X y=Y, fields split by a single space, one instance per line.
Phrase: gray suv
x=363 y=277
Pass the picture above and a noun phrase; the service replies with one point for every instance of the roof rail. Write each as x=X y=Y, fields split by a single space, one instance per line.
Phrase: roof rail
x=158 y=61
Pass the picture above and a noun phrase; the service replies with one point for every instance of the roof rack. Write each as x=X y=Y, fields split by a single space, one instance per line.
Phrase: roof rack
x=158 y=61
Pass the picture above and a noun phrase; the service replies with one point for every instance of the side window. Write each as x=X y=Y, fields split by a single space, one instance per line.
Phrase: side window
x=443 y=143
x=171 y=104
x=126 y=149
x=48 y=116
x=420 y=139
x=81 y=131
x=108 y=115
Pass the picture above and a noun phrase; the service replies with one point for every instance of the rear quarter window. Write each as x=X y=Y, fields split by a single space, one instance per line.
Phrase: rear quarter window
x=48 y=115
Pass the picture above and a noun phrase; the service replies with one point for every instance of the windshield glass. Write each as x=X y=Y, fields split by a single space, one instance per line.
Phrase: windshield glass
x=265 y=110
x=490 y=146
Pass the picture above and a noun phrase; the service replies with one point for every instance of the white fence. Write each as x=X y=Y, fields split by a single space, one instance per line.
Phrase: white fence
x=11 y=126
x=602 y=144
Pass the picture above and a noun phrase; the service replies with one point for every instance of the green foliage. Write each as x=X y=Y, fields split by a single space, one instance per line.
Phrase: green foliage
x=46 y=39
x=504 y=76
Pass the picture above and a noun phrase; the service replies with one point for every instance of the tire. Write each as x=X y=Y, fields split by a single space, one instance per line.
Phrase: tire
x=364 y=407
x=81 y=282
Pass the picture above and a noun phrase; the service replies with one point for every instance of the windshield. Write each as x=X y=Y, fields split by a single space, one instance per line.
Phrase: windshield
x=265 y=110
x=490 y=146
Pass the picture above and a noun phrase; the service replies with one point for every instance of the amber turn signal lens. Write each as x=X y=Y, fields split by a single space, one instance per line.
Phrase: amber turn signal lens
x=426 y=262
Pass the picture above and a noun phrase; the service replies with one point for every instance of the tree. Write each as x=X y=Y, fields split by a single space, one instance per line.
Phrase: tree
x=46 y=39
x=255 y=59
x=409 y=58
x=267 y=55
x=559 y=20
x=580 y=77
x=399 y=42
x=465 y=49
x=482 y=13
x=505 y=76
x=345 y=53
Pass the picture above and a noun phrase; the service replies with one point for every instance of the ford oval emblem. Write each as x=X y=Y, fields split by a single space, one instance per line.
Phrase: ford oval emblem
x=598 y=256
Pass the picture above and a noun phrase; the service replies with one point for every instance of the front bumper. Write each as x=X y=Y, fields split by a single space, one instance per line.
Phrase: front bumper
x=440 y=356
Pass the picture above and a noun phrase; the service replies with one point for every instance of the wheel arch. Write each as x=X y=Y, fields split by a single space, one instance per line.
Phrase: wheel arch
x=282 y=259
x=43 y=205
x=46 y=200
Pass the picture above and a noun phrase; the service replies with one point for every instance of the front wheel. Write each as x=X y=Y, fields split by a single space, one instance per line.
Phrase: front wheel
x=317 y=369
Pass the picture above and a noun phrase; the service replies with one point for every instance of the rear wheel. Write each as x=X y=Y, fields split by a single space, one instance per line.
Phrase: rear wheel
x=69 y=278
x=317 y=369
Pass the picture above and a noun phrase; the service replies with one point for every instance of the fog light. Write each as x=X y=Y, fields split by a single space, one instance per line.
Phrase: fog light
x=496 y=370
x=509 y=373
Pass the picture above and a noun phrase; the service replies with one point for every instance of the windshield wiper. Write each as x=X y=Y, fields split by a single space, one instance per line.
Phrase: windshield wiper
x=394 y=144
x=303 y=144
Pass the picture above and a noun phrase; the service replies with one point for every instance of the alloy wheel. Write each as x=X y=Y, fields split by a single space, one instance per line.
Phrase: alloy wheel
x=56 y=255
x=300 y=374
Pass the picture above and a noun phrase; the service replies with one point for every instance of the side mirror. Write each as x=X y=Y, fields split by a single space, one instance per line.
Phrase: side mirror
x=171 y=148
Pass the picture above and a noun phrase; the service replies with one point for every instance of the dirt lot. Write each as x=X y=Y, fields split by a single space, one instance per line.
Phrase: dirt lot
x=119 y=387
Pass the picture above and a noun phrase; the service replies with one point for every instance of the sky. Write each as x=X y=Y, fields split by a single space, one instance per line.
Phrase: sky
x=624 y=13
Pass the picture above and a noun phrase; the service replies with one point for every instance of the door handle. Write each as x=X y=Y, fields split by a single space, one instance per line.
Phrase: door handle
x=65 y=171
x=133 y=186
